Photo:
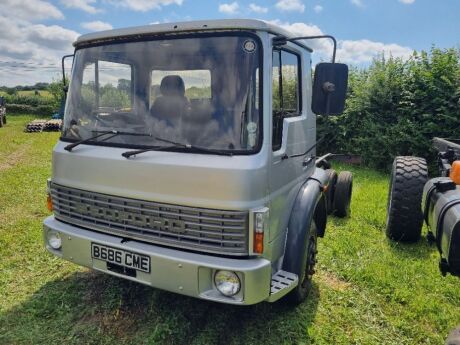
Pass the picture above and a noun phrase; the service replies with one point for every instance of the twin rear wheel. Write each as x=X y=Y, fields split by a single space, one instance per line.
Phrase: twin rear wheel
x=404 y=207
x=338 y=194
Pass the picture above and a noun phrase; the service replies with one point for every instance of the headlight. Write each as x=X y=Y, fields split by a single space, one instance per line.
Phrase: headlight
x=54 y=239
x=227 y=283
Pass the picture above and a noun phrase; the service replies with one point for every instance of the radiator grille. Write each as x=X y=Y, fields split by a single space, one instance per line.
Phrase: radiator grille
x=207 y=230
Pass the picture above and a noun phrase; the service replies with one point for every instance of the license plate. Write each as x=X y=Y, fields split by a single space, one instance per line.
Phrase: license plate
x=121 y=257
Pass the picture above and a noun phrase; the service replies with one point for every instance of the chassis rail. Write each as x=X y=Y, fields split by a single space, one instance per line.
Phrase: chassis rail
x=448 y=152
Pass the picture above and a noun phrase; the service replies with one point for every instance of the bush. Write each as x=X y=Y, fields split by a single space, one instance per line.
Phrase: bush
x=25 y=108
x=18 y=108
x=396 y=107
x=28 y=100
x=45 y=109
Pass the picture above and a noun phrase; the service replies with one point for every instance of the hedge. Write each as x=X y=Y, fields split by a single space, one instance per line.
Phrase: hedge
x=395 y=107
x=25 y=108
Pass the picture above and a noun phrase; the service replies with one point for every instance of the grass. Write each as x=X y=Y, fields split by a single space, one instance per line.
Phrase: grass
x=367 y=290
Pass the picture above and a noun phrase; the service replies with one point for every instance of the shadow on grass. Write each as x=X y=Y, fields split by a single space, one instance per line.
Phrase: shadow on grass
x=90 y=307
x=421 y=249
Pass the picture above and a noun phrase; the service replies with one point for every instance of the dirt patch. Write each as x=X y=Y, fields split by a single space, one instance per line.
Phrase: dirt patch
x=332 y=281
x=14 y=158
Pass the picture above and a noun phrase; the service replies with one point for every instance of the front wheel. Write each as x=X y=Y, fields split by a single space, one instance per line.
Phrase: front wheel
x=302 y=290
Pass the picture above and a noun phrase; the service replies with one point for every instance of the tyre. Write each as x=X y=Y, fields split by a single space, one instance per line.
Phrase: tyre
x=342 y=194
x=302 y=290
x=4 y=119
x=404 y=206
x=454 y=337
x=332 y=178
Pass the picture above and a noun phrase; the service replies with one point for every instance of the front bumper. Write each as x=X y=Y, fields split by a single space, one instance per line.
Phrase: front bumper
x=173 y=270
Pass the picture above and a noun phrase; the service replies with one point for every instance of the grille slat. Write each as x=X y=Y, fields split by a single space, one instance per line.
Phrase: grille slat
x=241 y=215
x=214 y=231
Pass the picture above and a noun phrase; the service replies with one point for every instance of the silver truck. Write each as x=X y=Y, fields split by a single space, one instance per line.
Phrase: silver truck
x=187 y=159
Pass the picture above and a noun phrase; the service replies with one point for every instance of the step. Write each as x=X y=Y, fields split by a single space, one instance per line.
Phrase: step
x=282 y=282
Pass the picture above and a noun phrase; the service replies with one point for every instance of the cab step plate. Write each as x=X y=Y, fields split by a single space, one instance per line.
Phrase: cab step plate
x=282 y=282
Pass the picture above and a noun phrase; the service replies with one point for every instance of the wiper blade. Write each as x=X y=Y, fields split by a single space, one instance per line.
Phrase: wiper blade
x=113 y=132
x=128 y=154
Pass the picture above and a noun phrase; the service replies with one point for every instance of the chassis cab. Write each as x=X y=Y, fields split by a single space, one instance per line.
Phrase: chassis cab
x=187 y=159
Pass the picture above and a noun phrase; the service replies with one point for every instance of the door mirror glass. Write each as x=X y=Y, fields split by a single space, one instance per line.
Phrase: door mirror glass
x=329 y=88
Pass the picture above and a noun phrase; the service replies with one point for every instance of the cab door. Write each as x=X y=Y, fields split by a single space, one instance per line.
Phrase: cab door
x=290 y=133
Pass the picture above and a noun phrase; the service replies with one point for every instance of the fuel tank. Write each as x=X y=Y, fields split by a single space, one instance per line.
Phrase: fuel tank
x=441 y=203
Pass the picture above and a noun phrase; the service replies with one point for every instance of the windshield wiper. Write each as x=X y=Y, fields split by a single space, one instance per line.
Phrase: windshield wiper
x=113 y=132
x=175 y=144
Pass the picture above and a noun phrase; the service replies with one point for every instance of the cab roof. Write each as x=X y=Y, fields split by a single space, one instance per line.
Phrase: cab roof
x=181 y=27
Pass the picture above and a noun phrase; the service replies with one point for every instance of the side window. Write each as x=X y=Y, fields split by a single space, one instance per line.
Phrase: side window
x=290 y=77
x=106 y=84
x=285 y=86
x=88 y=89
x=114 y=85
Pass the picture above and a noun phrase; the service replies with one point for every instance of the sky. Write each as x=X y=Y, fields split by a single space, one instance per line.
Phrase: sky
x=35 y=34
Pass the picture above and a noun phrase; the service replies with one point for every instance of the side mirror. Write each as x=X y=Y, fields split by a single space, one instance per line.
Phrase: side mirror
x=329 y=88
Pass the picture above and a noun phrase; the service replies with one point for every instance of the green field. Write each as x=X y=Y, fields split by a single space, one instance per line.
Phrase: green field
x=43 y=93
x=367 y=290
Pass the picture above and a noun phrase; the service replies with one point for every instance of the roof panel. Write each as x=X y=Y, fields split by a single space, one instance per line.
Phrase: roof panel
x=190 y=26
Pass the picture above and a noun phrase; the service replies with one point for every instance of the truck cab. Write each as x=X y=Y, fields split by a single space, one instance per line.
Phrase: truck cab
x=187 y=160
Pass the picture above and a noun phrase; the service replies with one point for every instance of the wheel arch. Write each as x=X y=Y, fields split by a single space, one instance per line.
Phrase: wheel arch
x=310 y=205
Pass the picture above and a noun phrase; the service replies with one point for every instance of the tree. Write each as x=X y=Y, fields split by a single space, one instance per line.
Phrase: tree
x=56 y=90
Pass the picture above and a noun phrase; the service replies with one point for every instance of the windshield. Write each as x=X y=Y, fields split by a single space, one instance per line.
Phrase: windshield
x=201 y=91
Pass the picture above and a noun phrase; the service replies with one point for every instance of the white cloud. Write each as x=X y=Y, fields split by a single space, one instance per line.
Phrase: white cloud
x=363 y=51
x=96 y=25
x=53 y=37
x=145 y=5
x=84 y=5
x=36 y=52
x=348 y=51
x=257 y=9
x=290 y=5
x=318 y=8
x=229 y=8
x=358 y=3
x=407 y=2
x=302 y=29
x=30 y=10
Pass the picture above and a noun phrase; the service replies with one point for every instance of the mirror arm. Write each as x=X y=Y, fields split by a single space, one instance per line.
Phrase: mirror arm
x=63 y=69
x=282 y=40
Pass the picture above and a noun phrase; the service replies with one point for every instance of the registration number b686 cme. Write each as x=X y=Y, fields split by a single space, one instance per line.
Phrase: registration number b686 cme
x=121 y=257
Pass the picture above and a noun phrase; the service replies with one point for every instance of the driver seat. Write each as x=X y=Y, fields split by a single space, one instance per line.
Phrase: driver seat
x=172 y=104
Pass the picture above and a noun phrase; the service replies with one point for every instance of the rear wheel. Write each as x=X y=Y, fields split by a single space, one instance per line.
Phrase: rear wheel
x=332 y=178
x=342 y=194
x=404 y=210
x=4 y=119
x=302 y=290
